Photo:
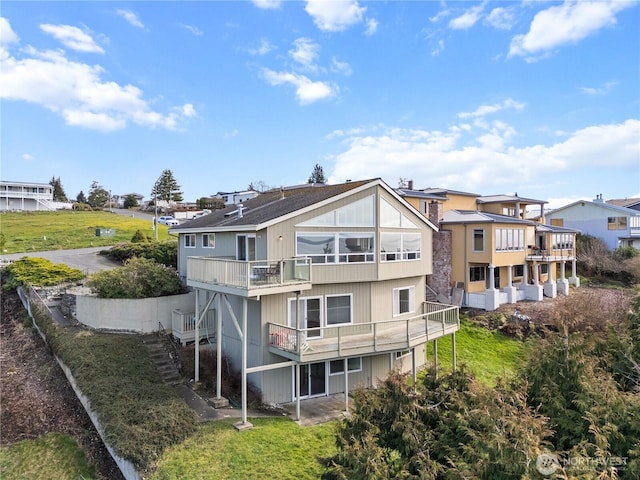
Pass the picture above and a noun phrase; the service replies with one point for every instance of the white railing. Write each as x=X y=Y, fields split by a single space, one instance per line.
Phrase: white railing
x=183 y=326
x=342 y=340
x=246 y=275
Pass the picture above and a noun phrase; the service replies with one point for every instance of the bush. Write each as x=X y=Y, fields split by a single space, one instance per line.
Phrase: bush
x=139 y=237
x=138 y=278
x=165 y=252
x=39 y=272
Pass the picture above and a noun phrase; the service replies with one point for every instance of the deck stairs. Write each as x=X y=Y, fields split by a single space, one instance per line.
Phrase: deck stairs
x=161 y=355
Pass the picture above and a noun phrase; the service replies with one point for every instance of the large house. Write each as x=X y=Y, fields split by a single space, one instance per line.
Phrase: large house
x=315 y=289
x=26 y=196
x=616 y=222
x=488 y=254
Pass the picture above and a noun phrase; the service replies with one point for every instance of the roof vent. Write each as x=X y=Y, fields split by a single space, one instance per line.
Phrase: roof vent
x=240 y=207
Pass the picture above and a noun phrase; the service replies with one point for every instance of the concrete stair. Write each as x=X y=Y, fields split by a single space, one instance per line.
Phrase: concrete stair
x=159 y=353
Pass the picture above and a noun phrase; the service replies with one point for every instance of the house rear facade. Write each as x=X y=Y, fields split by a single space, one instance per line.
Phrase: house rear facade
x=316 y=289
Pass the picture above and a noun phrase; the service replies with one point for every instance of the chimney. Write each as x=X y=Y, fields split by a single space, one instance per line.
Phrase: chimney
x=435 y=212
x=410 y=184
x=598 y=199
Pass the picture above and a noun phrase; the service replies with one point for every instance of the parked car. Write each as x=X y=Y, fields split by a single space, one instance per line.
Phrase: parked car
x=167 y=218
x=172 y=223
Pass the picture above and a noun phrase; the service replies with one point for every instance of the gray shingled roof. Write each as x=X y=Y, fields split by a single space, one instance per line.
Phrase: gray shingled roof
x=269 y=205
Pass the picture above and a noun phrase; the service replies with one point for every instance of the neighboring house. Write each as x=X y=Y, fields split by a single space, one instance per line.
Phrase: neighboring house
x=235 y=198
x=487 y=253
x=26 y=196
x=310 y=282
x=119 y=200
x=617 y=226
x=632 y=203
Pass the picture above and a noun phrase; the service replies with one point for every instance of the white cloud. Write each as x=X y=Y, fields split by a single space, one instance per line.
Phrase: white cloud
x=438 y=48
x=72 y=37
x=7 y=35
x=307 y=91
x=193 y=29
x=603 y=90
x=79 y=94
x=267 y=4
x=335 y=16
x=264 y=48
x=27 y=157
x=481 y=160
x=233 y=133
x=500 y=18
x=372 y=27
x=468 y=19
x=484 y=110
x=340 y=67
x=305 y=52
x=565 y=24
x=130 y=17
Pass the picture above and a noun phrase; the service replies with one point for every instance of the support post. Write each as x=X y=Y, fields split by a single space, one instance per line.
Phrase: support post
x=346 y=384
x=414 y=375
x=435 y=357
x=243 y=425
x=218 y=348
x=297 y=391
x=453 y=351
x=197 y=343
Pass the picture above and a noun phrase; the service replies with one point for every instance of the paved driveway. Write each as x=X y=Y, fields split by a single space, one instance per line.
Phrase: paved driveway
x=86 y=259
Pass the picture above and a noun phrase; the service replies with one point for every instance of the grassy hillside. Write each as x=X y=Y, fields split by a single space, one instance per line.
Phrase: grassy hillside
x=41 y=231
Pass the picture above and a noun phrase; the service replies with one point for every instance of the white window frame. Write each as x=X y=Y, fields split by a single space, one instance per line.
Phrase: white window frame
x=209 y=243
x=341 y=372
x=189 y=240
x=326 y=309
x=396 y=300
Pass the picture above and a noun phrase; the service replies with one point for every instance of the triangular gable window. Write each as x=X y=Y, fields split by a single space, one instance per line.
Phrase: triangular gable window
x=357 y=214
x=390 y=217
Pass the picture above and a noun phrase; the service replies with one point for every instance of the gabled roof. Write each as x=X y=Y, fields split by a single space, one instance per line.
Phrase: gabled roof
x=603 y=205
x=405 y=192
x=274 y=205
x=624 y=202
x=509 y=199
x=475 y=216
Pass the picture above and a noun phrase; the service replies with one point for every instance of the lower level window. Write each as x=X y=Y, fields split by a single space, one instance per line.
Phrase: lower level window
x=477 y=274
x=336 y=367
x=404 y=300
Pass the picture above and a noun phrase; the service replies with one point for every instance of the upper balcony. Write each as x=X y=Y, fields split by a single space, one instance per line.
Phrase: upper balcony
x=249 y=279
x=339 y=341
x=535 y=254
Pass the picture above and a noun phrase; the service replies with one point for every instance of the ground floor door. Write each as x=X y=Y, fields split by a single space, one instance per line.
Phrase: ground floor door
x=313 y=380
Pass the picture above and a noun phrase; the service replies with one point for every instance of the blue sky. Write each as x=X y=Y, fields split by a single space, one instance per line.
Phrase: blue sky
x=536 y=98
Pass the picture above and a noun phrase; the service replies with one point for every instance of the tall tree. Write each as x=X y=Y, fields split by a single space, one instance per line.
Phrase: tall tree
x=98 y=196
x=58 y=192
x=130 y=201
x=317 y=176
x=166 y=188
x=81 y=198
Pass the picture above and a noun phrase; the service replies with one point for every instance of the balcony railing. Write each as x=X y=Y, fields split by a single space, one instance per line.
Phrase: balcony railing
x=183 y=326
x=364 y=338
x=251 y=275
x=554 y=254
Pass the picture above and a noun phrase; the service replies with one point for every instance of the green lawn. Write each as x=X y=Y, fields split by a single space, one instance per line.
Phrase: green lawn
x=51 y=456
x=488 y=354
x=66 y=229
x=273 y=448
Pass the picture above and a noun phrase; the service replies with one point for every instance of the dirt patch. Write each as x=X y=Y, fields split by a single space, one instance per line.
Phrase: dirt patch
x=34 y=393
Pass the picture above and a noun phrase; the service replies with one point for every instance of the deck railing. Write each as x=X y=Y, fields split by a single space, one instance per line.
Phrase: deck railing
x=340 y=340
x=183 y=326
x=248 y=274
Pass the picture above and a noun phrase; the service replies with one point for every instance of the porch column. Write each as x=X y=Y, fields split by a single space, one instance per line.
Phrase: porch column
x=525 y=274
x=510 y=289
x=536 y=274
x=574 y=280
x=346 y=384
x=196 y=377
x=563 y=283
x=491 y=295
x=435 y=357
x=550 y=289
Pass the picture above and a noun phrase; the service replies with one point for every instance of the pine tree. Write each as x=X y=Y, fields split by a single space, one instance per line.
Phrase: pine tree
x=166 y=188
x=98 y=196
x=81 y=198
x=317 y=176
x=58 y=192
